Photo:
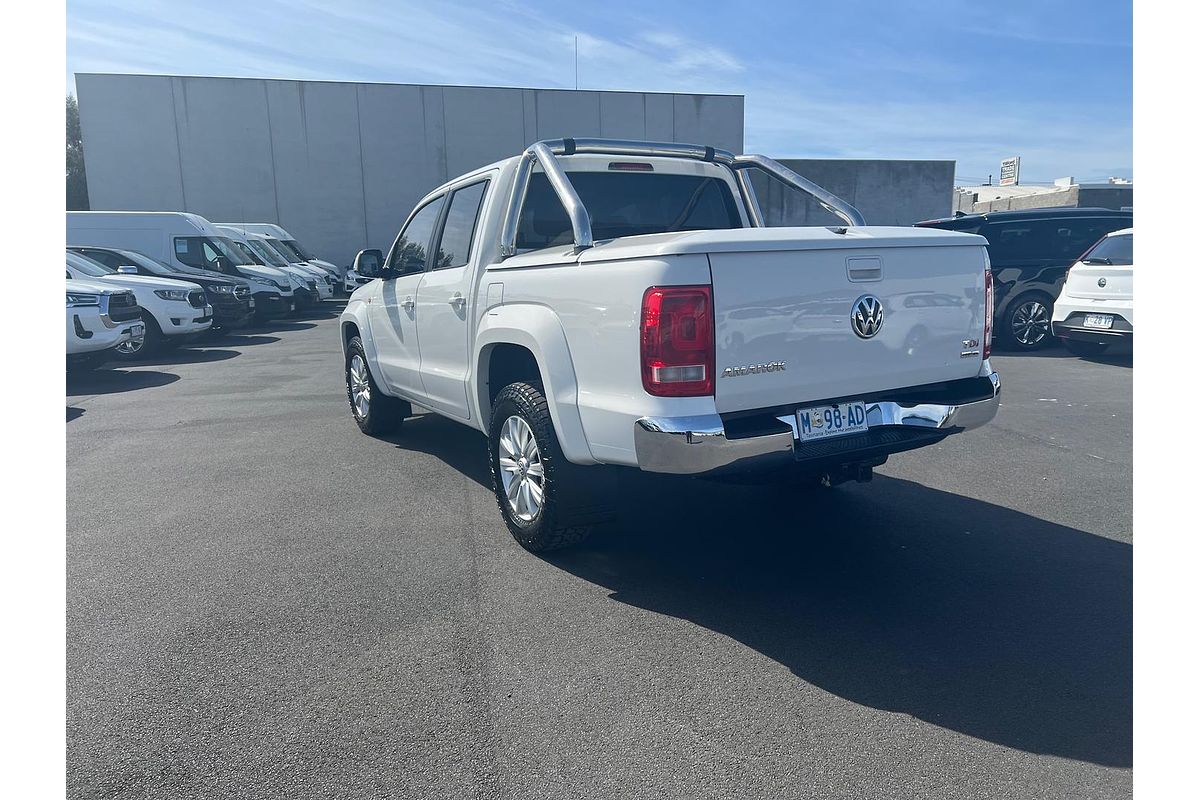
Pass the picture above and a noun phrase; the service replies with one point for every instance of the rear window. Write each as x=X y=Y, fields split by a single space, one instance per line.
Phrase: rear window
x=627 y=204
x=1116 y=250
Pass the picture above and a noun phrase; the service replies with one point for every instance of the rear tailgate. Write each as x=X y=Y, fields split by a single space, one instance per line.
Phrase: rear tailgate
x=1100 y=282
x=794 y=305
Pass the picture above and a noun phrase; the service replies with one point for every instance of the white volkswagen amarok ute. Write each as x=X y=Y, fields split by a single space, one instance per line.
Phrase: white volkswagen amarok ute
x=594 y=303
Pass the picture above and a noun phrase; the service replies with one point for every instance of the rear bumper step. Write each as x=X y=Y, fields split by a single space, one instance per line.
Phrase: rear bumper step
x=700 y=445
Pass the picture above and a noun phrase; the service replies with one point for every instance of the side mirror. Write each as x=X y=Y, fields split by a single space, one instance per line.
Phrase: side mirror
x=126 y=269
x=369 y=263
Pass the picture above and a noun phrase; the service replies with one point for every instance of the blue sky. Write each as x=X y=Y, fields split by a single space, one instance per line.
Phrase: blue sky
x=970 y=81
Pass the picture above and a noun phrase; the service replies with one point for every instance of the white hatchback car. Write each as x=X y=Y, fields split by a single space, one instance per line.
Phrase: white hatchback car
x=1094 y=310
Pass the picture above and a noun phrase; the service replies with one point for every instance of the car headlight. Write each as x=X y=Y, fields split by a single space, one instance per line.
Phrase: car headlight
x=76 y=299
x=221 y=288
x=172 y=294
x=280 y=286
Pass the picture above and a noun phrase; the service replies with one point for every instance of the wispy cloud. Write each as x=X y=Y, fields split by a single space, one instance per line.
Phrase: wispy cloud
x=875 y=86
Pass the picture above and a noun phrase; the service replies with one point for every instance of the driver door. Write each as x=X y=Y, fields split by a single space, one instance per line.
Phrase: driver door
x=392 y=314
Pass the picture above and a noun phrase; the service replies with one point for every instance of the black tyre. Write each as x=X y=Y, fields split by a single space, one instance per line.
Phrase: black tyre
x=1085 y=349
x=1026 y=323
x=375 y=412
x=546 y=501
x=152 y=342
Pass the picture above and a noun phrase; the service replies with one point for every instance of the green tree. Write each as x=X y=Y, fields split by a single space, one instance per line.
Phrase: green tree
x=77 y=191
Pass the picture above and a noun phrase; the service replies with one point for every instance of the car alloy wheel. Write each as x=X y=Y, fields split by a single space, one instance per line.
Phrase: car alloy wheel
x=1031 y=323
x=521 y=470
x=131 y=347
x=360 y=387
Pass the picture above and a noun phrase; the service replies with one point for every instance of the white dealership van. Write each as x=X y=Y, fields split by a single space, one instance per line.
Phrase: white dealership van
x=182 y=239
x=313 y=281
x=301 y=252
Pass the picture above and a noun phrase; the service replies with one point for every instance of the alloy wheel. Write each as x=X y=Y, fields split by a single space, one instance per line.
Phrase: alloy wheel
x=360 y=387
x=1031 y=323
x=521 y=470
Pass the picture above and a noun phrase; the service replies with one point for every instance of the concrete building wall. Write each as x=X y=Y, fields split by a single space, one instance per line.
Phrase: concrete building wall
x=341 y=164
x=886 y=192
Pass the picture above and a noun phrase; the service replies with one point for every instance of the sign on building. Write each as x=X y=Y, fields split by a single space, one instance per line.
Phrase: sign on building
x=1010 y=171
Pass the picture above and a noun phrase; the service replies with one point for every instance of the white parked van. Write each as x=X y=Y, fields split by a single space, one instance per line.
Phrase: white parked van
x=100 y=318
x=312 y=285
x=188 y=240
x=298 y=250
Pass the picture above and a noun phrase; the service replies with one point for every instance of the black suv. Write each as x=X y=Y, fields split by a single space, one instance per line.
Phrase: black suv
x=229 y=296
x=1031 y=252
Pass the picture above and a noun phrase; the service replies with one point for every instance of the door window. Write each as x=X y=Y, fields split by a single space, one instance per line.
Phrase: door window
x=458 y=232
x=410 y=252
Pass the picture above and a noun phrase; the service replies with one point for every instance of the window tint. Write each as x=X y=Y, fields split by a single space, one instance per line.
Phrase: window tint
x=196 y=251
x=1062 y=240
x=408 y=253
x=627 y=204
x=105 y=257
x=454 y=249
x=1118 y=250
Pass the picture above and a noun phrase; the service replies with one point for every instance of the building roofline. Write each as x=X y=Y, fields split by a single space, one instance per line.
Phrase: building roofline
x=396 y=83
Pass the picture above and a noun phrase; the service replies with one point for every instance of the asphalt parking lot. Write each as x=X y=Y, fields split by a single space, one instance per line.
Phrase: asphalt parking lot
x=263 y=602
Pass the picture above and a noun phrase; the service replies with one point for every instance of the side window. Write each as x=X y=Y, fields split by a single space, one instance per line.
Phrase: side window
x=104 y=257
x=409 y=252
x=458 y=232
x=195 y=252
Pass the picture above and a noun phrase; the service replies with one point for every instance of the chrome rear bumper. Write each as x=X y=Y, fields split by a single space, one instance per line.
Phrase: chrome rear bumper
x=699 y=445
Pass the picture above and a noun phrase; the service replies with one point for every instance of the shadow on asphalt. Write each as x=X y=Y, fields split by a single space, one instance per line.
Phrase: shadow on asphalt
x=74 y=413
x=111 y=381
x=1120 y=355
x=963 y=614
x=238 y=340
x=185 y=355
x=279 y=326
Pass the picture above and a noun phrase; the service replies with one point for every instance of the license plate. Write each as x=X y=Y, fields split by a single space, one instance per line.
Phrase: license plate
x=1098 y=321
x=823 y=422
x=137 y=331
x=252 y=302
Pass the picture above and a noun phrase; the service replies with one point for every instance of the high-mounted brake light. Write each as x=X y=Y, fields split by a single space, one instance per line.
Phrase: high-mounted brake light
x=631 y=166
x=989 y=302
x=677 y=341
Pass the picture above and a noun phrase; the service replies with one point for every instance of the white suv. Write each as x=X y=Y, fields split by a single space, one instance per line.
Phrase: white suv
x=99 y=319
x=1095 y=308
x=173 y=311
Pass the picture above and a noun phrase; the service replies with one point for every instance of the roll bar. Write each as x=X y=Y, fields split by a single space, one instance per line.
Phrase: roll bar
x=545 y=152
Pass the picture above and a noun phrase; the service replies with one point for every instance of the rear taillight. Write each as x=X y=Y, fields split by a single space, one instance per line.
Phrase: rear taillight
x=989 y=307
x=678 y=347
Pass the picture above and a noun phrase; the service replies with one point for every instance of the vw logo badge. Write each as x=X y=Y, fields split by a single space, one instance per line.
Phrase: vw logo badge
x=1102 y=282
x=866 y=317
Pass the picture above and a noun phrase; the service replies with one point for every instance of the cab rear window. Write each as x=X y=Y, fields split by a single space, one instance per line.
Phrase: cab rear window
x=627 y=204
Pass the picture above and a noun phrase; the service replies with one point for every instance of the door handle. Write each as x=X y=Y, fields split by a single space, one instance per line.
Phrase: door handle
x=457 y=300
x=408 y=303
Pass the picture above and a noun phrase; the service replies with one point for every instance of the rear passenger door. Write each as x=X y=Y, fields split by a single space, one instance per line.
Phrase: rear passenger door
x=444 y=301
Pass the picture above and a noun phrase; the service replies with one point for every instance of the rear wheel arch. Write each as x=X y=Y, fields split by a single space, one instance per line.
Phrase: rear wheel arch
x=535 y=337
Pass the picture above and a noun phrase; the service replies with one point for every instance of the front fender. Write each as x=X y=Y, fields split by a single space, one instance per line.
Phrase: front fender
x=356 y=313
x=536 y=328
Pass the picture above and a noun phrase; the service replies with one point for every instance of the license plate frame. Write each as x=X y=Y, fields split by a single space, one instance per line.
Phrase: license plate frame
x=816 y=423
x=1102 y=322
